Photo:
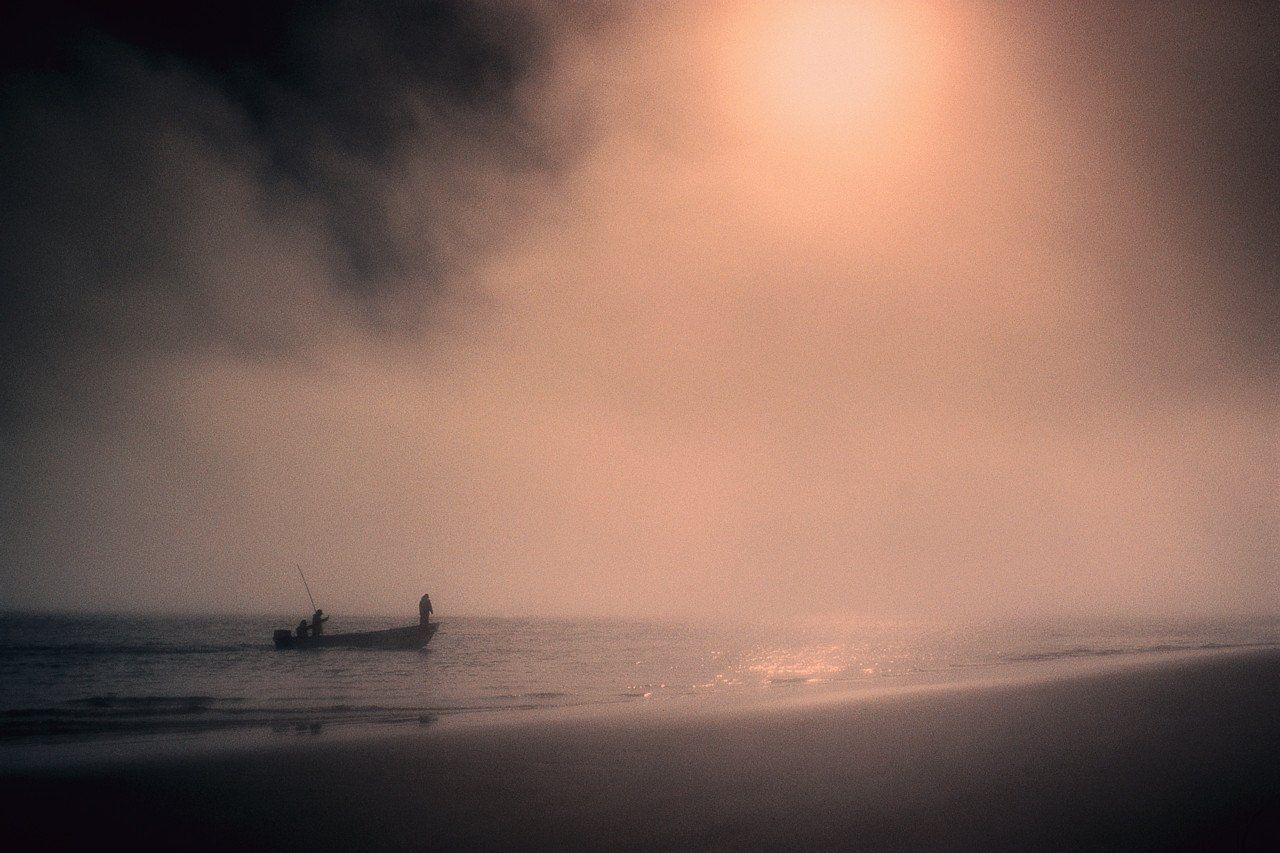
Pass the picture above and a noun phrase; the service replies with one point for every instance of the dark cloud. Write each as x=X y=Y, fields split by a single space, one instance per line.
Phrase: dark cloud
x=164 y=166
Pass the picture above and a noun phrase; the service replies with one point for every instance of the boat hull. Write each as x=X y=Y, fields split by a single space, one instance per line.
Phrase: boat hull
x=412 y=637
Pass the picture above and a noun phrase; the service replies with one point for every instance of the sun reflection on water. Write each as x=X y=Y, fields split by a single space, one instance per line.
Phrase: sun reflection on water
x=765 y=665
x=806 y=663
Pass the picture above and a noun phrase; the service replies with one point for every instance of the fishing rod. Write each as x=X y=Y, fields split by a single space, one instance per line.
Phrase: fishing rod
x=306 y=586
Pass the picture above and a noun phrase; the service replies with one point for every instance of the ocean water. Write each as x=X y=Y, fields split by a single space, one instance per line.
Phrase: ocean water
x=69 y=680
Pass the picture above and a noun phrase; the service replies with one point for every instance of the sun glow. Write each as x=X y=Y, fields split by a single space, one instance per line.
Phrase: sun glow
x=830 y=69
x=831 y=63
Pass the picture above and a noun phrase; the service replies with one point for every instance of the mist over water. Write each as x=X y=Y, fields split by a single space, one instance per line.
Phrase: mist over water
x=695 y=310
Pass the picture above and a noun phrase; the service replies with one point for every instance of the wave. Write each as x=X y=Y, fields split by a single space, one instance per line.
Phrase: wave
x=129 y=648
x=1107 y=651
x=150 y=702
x=92 y=717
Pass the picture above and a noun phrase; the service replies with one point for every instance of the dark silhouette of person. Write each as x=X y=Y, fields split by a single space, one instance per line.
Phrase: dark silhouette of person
x=317 y=623
x=424 y=609
x=302 y=628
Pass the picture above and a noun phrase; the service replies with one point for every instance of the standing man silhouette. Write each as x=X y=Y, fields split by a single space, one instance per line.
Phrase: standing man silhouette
x=317 y=623
x=424 y=609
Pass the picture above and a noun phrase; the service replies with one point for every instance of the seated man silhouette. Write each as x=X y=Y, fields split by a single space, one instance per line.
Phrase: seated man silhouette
x=302 y=628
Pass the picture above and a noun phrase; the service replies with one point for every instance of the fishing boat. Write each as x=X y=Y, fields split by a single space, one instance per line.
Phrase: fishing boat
x=411 y=637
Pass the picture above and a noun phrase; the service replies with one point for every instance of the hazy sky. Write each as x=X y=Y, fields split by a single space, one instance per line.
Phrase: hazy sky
x=683 y=309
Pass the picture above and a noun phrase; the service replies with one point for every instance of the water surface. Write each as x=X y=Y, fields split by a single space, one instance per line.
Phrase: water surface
x=74 y=679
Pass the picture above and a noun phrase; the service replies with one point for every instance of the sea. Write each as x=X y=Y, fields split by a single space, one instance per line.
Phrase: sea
x=98 y=687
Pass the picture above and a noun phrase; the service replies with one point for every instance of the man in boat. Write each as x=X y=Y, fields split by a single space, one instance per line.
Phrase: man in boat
x=302 y=629
x=424 y=609
x=317 y=623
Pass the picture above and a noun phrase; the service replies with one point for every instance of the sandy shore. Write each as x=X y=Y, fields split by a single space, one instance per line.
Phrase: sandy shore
x=1171 y=754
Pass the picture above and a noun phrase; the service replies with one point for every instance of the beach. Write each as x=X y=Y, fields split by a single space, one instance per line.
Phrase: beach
x=1153 y=752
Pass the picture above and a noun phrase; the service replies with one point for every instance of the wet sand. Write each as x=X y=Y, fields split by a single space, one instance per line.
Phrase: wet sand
x=1179 y=753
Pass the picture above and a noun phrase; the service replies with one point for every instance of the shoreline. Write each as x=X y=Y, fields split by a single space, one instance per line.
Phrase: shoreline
x=1148 y=754
x=179 y=745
